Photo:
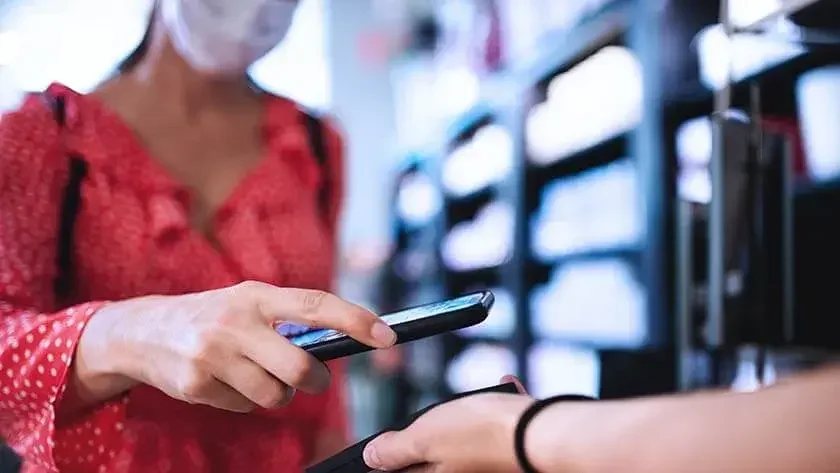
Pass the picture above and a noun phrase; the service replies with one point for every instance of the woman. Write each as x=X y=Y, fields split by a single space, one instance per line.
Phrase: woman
x=792 y=427
x=195 y=181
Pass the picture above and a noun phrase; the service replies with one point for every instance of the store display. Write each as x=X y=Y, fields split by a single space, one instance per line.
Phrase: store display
x=586 y=105
x=694 y=141
x=418 y=199
x=818 y=95
x=484 y=159
x=564 y=14
x=418 y=115
x=694 y=149
x=598 y=303
x=563 y=369
x=597 y=210
x=457 y=90
x=523 y=23
x=737 y=57
x=478 y=365
x=412 y=264
x=585 y=242
x=529 y=27
x=484 y=242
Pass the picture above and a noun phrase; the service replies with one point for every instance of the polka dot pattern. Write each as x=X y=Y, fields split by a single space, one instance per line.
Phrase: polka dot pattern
x=133 y=238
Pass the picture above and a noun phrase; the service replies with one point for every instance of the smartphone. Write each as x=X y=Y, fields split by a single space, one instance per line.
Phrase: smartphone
x=409 y=324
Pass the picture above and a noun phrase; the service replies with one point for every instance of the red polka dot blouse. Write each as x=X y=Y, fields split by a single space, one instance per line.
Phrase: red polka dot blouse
x=133 y=238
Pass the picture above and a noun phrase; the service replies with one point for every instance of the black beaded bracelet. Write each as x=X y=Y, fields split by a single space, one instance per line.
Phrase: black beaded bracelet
x=527 y=417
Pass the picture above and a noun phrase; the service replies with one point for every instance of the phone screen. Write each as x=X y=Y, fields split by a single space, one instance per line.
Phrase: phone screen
x=395 y=318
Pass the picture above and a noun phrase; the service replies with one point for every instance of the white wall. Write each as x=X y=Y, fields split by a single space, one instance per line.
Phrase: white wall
x=362 y=102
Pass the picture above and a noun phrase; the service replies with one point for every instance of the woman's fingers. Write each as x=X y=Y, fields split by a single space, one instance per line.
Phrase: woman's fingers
x=221 y=396
x=318 y=309
x=284 y=361
x=253 y=382
x=228 y=355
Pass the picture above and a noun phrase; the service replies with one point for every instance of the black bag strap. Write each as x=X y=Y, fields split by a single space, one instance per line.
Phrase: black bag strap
x=71 y=201
x=318 y=146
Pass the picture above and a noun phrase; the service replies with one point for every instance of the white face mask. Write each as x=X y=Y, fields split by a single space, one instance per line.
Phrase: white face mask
x=226 y=36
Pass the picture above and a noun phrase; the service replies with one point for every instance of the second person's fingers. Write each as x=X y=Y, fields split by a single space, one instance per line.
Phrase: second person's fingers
x=285 y=361
x=509 y=378
x=393 y=451
x=321 y=309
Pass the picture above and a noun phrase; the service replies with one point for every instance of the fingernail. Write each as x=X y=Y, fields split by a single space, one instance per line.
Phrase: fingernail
x=371 y=457
x=384 y=334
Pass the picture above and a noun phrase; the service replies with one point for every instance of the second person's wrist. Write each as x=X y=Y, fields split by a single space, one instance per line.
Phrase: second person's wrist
x=505 y=419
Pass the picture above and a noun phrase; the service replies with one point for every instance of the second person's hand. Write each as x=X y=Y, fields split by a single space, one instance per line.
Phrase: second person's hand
x=218 y=347
x=473 y=434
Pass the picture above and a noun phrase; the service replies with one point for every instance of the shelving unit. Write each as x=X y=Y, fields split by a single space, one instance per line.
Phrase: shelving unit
x=494 y=273
x=412 y=277
x=670 y=275
x=797 y=248
x=522 y=272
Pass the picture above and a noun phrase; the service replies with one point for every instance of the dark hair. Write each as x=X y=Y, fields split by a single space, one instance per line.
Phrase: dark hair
x=139 y=52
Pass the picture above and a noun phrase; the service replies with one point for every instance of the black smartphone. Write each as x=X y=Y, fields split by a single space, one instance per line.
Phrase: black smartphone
x=409 y=324
x=350 y=459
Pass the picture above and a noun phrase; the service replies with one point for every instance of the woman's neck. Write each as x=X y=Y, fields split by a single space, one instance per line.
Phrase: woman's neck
x=167 y=77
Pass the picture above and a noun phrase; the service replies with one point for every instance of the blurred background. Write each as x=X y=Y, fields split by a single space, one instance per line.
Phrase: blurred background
x=650 y=187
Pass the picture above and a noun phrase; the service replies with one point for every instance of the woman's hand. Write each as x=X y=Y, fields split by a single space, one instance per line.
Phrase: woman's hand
x=218 y=347
x=473 y=434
